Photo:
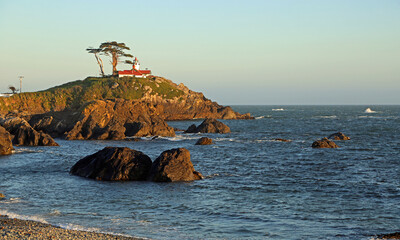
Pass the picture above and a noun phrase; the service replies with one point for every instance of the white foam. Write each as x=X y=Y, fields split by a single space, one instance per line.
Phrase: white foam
x=331 y=116
x=261 y=117
x=368 y=110
x=278 y=109
x=23 y=217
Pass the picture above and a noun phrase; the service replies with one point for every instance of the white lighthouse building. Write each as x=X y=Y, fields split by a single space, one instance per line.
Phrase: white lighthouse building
x=135 y=71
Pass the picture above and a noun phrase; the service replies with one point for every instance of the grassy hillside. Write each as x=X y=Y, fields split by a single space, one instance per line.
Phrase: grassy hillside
x=74 y=94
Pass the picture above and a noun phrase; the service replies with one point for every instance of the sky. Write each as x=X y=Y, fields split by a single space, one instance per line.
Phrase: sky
x=268 y=52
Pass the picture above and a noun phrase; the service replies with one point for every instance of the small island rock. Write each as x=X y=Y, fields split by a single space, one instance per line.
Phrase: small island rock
x=209 y=125
x=174 y=165
x=338 y=136
x=24 y=134
x=204 y=141
x=5 y=142
x=114 y=164
x=2 y=196
x=324 y=143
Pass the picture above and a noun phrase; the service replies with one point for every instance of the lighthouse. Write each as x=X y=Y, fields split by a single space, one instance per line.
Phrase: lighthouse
x=135 y=71
x=136 y=64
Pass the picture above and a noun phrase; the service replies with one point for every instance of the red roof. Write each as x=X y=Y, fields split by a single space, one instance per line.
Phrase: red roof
x=134 y=72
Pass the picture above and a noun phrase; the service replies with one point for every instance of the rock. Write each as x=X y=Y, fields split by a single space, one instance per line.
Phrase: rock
x=191 y=129
x=395 y=235
x=152 y=127
x=209 y=125
x=174 y=165
x=324 y=143
x=114 y=164
x=338 y=136
x=24 y=134
x=204 y=141
x=2 y=196
x=282 y=140
x=5 y=142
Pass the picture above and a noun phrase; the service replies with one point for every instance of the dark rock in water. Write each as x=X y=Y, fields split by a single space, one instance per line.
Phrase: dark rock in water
x=324 y=143
x=114 y=164
x=204 y=141
x=338 y=136
x=150 y=127
x=5 y=142
x=24 y=134
x=2 y=196
x=282 y=140
x=209 y=125
x=191 y=129
x=395 y=235
x=174 y=165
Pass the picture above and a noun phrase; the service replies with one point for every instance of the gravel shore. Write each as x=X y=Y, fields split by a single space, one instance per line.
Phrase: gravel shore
x=11 y=228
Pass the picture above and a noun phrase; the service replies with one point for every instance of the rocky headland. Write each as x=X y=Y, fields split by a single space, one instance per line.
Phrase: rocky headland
x=112 y=108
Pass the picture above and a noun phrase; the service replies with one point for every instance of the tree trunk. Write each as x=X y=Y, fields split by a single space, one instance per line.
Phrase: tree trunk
x=114 y=63
x=100 y=62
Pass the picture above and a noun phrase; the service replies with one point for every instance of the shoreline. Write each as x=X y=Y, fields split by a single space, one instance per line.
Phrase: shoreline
x=13 y=228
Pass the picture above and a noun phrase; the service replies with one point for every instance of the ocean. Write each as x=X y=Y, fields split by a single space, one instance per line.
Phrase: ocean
x=254 y=188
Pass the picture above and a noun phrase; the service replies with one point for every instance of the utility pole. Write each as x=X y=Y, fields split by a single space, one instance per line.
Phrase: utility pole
x=20 y=83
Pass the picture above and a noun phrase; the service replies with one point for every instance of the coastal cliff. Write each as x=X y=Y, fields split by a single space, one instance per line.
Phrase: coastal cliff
x=113 y=108
x=168 y=100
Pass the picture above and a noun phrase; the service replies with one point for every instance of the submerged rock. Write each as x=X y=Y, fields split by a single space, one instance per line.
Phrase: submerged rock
x=209 y=125
x=282 y=140
x=5 y=142
x=24 y=134
x=324 y=143
x=114 y=164
x=174 y=165
x=204 y=141
x=338 y=136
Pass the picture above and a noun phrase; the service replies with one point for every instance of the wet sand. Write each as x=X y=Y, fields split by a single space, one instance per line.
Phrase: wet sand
x=11 y=228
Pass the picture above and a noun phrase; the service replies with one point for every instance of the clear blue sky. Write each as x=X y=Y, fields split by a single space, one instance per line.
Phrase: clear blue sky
x=235 y=52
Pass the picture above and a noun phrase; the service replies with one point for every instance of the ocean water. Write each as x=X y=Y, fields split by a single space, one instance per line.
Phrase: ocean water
x=255 y=187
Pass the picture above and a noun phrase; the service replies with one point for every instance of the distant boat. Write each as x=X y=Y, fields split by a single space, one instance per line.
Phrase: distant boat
x=368 y=110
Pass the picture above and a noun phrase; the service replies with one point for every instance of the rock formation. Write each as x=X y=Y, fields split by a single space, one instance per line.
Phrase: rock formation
x=24 y=134
x=338 y=136
x=174 y=165
x=104 y=120
x=168 y=100
x=324 y=143
x=2 y=196
x=209 y=125
x=114 y=164
x=204 y=141
x=5 y=142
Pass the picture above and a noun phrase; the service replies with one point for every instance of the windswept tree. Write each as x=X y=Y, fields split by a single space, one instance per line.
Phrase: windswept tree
x=13 y=89
x=97 y=52
x=116 y=51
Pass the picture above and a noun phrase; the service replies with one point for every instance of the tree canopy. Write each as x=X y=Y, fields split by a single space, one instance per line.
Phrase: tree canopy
x=115 y=50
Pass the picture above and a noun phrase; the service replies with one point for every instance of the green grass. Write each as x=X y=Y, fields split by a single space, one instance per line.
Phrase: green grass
x=75 y=94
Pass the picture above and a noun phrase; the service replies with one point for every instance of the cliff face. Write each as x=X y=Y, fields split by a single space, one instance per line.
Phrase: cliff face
x=166 y=99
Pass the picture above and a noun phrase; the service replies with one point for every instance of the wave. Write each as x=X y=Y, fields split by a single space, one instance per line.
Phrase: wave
x=331 y=116
x=26 y=150
x=261 y=117
x=12 y=200
x=67 y=226
x=23 y=217
x=368 y=110
x=278 y=109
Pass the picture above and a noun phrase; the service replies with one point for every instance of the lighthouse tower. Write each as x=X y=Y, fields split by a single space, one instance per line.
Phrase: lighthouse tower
x=136 y=64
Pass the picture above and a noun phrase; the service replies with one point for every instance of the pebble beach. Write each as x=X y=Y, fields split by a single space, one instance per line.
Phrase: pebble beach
x=12 y=228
